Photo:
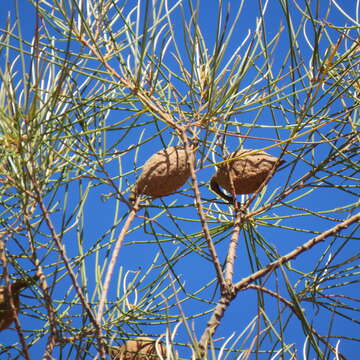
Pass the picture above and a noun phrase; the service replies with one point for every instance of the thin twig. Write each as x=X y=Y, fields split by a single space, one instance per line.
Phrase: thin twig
x=205 y=228
x=11 y=301
x=224 y=302
x=291 y=306
x=293 y=254
x=272 y=293
x=145 y=97
x=66 y=261
x=113 y=259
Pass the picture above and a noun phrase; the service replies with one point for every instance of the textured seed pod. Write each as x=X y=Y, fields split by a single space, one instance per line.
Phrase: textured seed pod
x=141 y=348
x=6 y=312
x=247 y=173
x=163 y=173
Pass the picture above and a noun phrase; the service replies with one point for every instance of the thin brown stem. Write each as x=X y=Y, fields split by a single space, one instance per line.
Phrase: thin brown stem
x=153 y=105
x=299 y=184
x=45 y=291
x=224 y=302
x=205 y=228
x=230 y=258
x=113 y=259
x=11 y=301
x=215 y=319
x=272 y=293
x=293 y=254
x=66 y=261
x=291 y=306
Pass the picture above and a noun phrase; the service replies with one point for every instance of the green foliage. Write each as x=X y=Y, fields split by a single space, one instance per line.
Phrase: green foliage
x=93 y=91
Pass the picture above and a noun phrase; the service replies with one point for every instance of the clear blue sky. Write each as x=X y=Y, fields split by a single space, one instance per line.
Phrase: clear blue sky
x=195 y=270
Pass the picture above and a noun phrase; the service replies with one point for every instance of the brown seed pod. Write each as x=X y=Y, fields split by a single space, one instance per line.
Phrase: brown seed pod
x=141 y=348
x=247 y=173
x=6 y=312
x=163 y=173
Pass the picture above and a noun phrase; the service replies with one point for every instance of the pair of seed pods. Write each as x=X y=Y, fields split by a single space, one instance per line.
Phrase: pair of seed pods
x=167 y=170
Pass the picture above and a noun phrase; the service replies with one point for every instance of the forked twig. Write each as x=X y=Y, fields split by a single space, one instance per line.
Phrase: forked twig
x=224 y=302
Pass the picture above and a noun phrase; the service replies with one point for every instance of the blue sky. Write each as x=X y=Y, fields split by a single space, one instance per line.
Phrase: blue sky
x=141 y=246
